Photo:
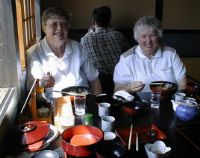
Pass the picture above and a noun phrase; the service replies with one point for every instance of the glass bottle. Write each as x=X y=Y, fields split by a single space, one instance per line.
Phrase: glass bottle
x=43 y=106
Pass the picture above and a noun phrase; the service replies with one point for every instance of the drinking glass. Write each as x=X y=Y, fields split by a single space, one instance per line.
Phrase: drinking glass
x=79 y=103
x=155 y=99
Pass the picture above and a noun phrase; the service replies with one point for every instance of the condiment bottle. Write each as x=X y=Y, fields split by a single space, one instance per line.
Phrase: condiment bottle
x=43 y=106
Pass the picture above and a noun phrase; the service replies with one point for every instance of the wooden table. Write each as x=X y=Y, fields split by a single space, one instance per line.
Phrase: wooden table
x=164 y=118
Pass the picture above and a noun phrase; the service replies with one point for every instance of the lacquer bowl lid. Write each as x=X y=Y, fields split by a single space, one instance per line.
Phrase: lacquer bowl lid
x=33 y=132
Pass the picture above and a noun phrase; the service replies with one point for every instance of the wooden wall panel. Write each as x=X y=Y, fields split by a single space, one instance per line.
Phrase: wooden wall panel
x=181 y=14
x=125 y=12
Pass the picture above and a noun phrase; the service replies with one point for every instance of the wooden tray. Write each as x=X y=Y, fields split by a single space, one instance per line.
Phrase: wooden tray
x=143 y=134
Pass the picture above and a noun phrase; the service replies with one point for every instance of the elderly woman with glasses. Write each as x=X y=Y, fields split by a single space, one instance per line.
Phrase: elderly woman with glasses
x=58 y=60
x=149 y=61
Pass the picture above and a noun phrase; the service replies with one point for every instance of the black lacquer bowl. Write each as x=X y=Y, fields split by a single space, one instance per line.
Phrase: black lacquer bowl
x=134 y=107
x=167 y=89
x=75 y=90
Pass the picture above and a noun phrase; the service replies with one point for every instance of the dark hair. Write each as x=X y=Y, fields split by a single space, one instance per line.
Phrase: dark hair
x=102 y=16
x=55 y=12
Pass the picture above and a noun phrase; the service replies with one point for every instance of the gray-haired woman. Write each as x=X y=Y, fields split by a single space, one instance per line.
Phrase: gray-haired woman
x=65 y=60
x=149 y=61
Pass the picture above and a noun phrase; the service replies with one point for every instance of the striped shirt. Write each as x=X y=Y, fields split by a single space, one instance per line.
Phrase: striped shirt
x=104 y=45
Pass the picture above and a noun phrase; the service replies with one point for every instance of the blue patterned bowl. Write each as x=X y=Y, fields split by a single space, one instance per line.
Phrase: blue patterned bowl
x=187 y=112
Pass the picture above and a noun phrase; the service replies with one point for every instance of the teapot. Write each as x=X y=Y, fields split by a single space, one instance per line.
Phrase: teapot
x=186 y=110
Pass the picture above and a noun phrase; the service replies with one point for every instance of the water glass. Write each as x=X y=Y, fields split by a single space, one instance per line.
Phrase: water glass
x=79 y=103
x=155 y=99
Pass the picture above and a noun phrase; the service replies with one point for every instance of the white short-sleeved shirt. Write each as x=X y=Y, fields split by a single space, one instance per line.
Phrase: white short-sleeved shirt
x=73 y=69
x=165 y=65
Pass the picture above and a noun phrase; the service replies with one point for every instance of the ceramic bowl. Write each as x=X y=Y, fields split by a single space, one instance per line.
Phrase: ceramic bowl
x=47 y=154
x=112 y=150
x=81 y=140
x=165 y=88
x=132 y=108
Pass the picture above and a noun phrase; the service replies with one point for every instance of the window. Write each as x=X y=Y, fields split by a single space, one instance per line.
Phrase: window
x=25 y=11
x=13 y=78
x=8 y=62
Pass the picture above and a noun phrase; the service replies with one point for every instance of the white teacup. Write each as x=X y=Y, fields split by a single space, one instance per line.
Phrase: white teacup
x=107 y=123
x=179 y=96
x=104 y=108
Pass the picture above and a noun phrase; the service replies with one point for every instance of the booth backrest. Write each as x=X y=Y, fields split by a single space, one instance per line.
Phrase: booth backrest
x=186 y=42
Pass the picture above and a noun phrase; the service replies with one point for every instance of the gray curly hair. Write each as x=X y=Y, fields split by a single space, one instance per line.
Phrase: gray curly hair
x=147 y=23
x=55 y=12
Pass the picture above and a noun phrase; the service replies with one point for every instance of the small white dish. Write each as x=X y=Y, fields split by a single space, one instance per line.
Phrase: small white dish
x=109 y=136
x=157 y=150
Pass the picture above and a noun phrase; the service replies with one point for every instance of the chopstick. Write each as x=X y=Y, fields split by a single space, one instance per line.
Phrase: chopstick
x=130 y=137
x=156 y=83
x=67 y=93
x=136 y=142
x=70 y=93
x=28 y=96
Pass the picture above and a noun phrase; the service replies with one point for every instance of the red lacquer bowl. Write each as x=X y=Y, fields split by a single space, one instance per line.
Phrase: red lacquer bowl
x=81 y=140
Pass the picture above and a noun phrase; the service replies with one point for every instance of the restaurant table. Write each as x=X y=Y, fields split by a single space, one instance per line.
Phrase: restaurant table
x=182 y=137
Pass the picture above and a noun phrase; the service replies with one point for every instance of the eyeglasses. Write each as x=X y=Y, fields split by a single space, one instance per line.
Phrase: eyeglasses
x=55 y=25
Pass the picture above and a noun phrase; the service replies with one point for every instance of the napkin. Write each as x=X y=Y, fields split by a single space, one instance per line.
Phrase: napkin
x=124 y=94
x=157 y=150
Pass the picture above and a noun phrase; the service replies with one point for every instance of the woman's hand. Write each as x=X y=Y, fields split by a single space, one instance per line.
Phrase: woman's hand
x=136 y=86
x=50 y=82
x=47 y=81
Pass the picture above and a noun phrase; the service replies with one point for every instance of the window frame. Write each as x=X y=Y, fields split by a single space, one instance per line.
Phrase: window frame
x=26 y=27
